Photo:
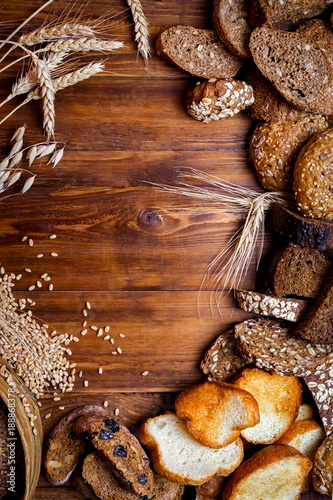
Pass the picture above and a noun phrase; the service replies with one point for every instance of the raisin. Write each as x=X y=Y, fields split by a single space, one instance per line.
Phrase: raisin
x=105 y=434
x=72 y=435
x=142 y=479
x=120 y=451
x=86 y=435
x=112 y=425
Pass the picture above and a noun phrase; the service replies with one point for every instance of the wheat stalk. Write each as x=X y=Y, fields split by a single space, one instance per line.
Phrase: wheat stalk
x=141 y=28
x=82 y=45
x=48 y=96
x=59 y=31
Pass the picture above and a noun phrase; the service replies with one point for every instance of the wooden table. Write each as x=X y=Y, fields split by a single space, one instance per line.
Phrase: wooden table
x=122 y=245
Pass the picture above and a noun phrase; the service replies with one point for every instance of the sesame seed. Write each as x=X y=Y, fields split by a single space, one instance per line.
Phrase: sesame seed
x=61 y=407
x=100 y=370
x=106 y=328
x=27 y=270
x=39 y=255
x=83 y=332
x=114 y=352
x=116 y=412
x=105 y=404
x=121 y=335
x=39 y=285
x=145 y=373
x=80 y=374
x=18 y=277
x=56 y=398
x=107 y=337
x=84 y=324
x=100 y=332
x=54 y=254
x=31 y=242
x=86 y=383
x=47 y=416
x=52 y=236
x=88 y=306
x=44 y=275
x=93 y=327
x=85 y=312
x=24 y=238
x=50 y=287
x=112 y=341
x=119 y=350
x=32 y=287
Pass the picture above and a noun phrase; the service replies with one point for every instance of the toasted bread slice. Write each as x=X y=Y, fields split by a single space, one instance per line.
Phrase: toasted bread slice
x=305 y=412
x=177 y=456
x=278 y=397
x=305 y=435
x=276 y=472
x=216 y=412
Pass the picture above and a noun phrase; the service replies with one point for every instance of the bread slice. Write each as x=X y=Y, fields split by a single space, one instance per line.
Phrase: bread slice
x=279 y=398
x=275 y=11
x=268 y=305
x=210 y=490
x=322 y=478
x=320 y=384
x=64 y=448
x=223 y=361
x=230 y=19
x=216 y=412
x=305 y=412
x=115 y=443
x=299 y=70
x=293 y=226
x=300 y=271
x=305 y=435
x=276 y=472
x=179 y=457
x=269 y=344
x=199 y=52
x=98 y=476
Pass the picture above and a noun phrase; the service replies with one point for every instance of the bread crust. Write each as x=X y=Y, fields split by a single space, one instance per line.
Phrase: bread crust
x=300 y=430
x=222 y=17
x=322 y=469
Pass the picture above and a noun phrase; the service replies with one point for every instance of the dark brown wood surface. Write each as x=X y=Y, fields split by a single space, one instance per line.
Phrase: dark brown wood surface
x=122 y=245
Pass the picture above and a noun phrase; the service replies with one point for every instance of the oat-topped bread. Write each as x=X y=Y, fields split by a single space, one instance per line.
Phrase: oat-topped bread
x=270 y=345
x=268 y=305
x=231 y=23
x=306 y=436
x=293 y=226
x=216 y=412
x=300 y=271
x=97 y=474
x=199 y=52
x=317 y=323
x=320 y=384
x=299 y=70
x=223 y=361
x=115 y=443
x=322 y=478
x=218 y=99
x=179 y=457
x=276 y=472
x=279 y=398
x=64 y=447
x=275 y=11
x=268 y=102
x=275 y=145
x=312 y=177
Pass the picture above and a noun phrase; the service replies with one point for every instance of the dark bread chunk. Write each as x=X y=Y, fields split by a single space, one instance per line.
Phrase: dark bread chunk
x=115 y=443
x=320 y=384
x=300 y=271
x=274 y=11
x=210 y=490
x=231 y=23
x=290 y=224
x=64 y=447
x=299 y=70
x=200 y=52
x=317 y=323
x=268 y=102
x=97 y=474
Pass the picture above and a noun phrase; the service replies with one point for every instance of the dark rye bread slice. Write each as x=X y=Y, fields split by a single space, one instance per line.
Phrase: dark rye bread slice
x=115 y=443
x=317 y=323
x=100 y=481
x=300 y=271
x=299 y=70
x=64 y=448
x=268 y=102
x=275 y=11
x=199 y=52
x=320 y=384
x=293 y=226
x=230 y=19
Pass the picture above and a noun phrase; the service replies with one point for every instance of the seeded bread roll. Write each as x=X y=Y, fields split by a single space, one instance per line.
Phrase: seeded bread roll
x=275 y=145
x=115 y=443
x=313 y=177
x=300 y=271
x=276 y=472
x=223 y=361
x=299 y=70
x=214 y=100
x=268 y=305
x=199 y=52
x=305 y=436
x=231 y=23
x=322 y=478
x=268 y=102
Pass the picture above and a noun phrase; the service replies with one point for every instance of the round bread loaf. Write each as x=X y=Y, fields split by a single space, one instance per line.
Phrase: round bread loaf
x=275 y=146
x=313 y=177
x=217 y=99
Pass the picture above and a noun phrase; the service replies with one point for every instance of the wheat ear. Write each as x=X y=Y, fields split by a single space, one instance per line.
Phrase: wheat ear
x=47 y=94
x=84 y=44
x=63 y=30
x=141 y=28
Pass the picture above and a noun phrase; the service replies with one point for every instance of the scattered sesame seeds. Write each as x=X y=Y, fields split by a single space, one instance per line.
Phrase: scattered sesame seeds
x=121 y=335
x=85 y=312
x=119 y=351
x=31 y=242
x=116 y=412
x=93 y=327
x=105 y=404
x=52 y=236
x=56 y=398
x=100 y=370
x=30 y=288
x=50 y=287
x=39 y=285
x=111 y=340
x=88 y=305
x=145 y=373
x=114 y=352
x=27 y=270
x=80 y=374
x=107 y=328
x=83 y=332
x=86 y=383
x=18 y=277
x=44 y=275
x=24 y=238
x=39 y=255
x=48 y=415
x=61 y=407
x=84 y=324
x=107 y=337
x=54 y=254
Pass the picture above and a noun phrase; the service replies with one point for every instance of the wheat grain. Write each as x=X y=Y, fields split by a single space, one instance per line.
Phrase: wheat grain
x=83 y=45
x=59 y=31
x=47 y=95
x=141 y=28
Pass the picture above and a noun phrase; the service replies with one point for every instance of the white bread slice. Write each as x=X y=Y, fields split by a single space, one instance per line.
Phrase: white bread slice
x=305 y=412
x=176 y=455
x=305 y=435
x=278 y=397
x=276 y=472
x=216 y=412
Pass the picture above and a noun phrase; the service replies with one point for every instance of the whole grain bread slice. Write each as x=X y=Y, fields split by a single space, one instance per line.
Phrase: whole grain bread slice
x=299 y=271
x=276 y=472
x=299 y=70
x=320 y=384
x=199 y=52
x=275 y=11
x=115 y=443
x=230 y=19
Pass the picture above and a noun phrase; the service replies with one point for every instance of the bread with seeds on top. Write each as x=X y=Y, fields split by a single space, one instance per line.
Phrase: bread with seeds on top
x=320 y=384
x=322 y=478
